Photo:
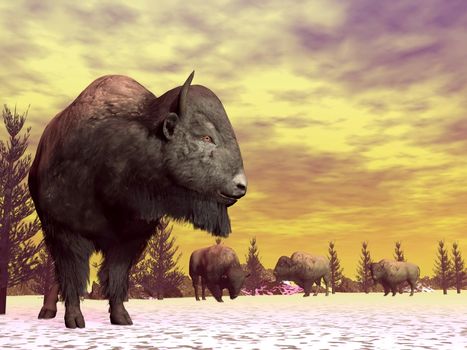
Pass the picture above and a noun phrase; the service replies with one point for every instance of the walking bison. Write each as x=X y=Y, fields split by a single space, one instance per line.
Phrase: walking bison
x=304 y=270
x=391 y=273
x=219 y=269
x=117 y=160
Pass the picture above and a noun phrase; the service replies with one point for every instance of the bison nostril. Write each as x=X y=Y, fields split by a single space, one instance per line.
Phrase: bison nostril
x=240 y=183
x=241 y=187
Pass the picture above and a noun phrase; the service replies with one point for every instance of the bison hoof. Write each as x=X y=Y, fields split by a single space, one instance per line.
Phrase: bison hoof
x=220 y=300
x=74 y=319
x=197 y=299
x=306 y=295
x=204 y=298
x=121 y=318
x=47 y=313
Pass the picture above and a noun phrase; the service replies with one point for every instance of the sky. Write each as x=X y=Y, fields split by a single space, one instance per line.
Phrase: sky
x=350 y=116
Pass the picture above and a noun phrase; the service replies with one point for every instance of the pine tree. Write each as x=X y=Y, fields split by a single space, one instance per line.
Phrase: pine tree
x=157 y=271
x=17 y=251
x=364 y=272
x=443 y=268
x=336 y=270
x=459 y=267
x=398 y=253
x=254 y=267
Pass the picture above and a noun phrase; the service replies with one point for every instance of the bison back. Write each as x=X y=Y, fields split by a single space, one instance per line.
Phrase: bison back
x=400 y=271
x=213 y=261
x=311 y=266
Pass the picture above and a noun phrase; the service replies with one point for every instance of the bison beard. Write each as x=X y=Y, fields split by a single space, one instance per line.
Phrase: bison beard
x=183 y=205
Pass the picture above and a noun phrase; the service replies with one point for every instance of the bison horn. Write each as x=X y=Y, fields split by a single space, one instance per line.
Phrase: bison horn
x=183 y=95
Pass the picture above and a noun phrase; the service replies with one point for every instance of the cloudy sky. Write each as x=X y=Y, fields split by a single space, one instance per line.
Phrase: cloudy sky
x=351 y=116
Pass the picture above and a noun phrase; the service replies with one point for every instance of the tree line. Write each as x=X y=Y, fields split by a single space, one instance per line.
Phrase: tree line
x=23 y=260
x=449 y=271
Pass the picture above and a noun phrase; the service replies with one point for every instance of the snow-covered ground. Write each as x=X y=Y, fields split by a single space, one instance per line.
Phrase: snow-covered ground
x=340 y=321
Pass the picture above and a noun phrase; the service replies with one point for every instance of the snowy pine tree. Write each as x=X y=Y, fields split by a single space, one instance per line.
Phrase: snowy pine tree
x=364 y=272
x=254 y=267
x=157 y=271
x=458 y=267
x=443 y=268
x=336 y=270
x=17 y=250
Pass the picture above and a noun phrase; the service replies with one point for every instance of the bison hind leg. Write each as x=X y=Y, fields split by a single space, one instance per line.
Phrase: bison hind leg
x=203 y=288
x=195 y=280
x=412 y=287
x=47 y=313
x=49 y=309
x=70 y=253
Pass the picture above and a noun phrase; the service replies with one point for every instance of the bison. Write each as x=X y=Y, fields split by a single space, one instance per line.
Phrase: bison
x=219 y=269
x=391 y=273
x=304 y=270
x=116 y=161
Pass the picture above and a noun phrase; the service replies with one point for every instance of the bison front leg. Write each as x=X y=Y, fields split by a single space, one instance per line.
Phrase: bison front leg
x=394 y=289
x=307 y=287
x=114 y=277
x=49 y=309
x=216 y=291
x=386 y=287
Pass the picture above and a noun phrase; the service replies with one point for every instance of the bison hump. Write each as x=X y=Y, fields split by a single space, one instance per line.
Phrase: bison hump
x=109 y=96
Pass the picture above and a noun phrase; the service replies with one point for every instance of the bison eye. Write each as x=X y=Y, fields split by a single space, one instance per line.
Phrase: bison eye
x=207 y=138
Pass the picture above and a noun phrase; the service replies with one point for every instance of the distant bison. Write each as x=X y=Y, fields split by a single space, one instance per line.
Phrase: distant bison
x=391 y=273
x=219 y=269
x=117 y=160
x=304 y=270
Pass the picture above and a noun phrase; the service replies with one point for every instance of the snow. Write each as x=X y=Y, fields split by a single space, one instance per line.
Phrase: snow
x=340 y=321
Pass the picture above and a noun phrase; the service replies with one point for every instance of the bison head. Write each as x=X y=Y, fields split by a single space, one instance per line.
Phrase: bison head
x=201 y=150
x=201 y=162
x=377 y=271
x=283 y=268
x=234 y=280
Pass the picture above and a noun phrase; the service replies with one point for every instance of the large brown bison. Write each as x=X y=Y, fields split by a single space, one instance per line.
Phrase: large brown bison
x=219 y=269
x=117 y=160
x=391 y=273
x=304 y=269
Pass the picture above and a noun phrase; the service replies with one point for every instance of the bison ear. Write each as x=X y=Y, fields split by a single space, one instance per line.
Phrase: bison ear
x=183 y=96
x=169 y=124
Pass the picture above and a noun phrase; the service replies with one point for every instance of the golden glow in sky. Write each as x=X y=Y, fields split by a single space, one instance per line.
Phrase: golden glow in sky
x=351 y=116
